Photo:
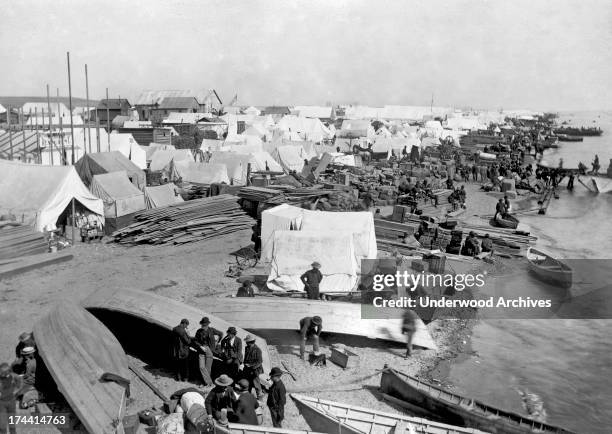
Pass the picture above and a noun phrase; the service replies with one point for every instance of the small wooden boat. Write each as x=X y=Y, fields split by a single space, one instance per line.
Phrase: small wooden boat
x=236 y=428
x=460 y=410
x=260 y=313
x=335 y=417
x=506 y=221
x=117 y=306
x=549 y=269
x=80 y=354
x=566 y=138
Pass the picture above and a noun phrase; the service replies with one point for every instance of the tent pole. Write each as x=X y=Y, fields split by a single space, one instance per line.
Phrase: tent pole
x=108 y=125
x=70 y=108
x=50 y=125
x=73 y=222
x=61 y=127
x=97 y=131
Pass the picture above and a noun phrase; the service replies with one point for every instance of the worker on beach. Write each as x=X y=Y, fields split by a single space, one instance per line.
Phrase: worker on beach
x=10 y=385
x=507 y=203
x=311 y=280
x=409 y=327
x=256 y=237
x=181 y=342
x=310 y=327
x=500 y=208
x=28 y=392
x=245 y=405
x=231 y=348
x=26 y=339
x=253 y=365
x=487 y=244
x=220 y=400
x=470 y=246
x=277 y=398
x=206 y=339
x=246 y=290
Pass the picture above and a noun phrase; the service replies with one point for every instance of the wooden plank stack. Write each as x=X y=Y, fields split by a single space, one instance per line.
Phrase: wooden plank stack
x=190 y=221
x=19 y=240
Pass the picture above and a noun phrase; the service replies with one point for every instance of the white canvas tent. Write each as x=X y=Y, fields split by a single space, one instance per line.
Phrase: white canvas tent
x=283 y=217
x=199 y=173
x=119 y=195
x=162 y=158
x=127 y=145
x=38 y=194
x=291 y=158
x=161 y=195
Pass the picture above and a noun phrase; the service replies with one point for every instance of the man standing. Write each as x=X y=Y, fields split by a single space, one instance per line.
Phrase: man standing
x=231 y=347
x=245 y=404
x=500 y=209
x=409 y=327
x=180 y=350
x=311 y=280
x=277 y=398
x=220 y=399
x=253 y=361
x=310 y=327
x=10 y=384
x=206 y=339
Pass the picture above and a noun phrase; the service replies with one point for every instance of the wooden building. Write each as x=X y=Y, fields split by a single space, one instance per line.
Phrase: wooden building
x=114 y=107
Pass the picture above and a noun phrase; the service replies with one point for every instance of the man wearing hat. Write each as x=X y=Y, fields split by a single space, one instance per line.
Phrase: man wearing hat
x=310 y=326
x=26 y=339
x=246 y=290
x=231 y=348
x=206 y=339
x=220 y=399
x=10 y=385
x=277 y=398
x=253 y=361
x=244 y=405
x=311 y=280
x=180 y=350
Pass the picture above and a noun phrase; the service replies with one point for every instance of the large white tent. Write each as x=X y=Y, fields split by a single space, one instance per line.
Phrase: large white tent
x=127 y=145
x=38 y=195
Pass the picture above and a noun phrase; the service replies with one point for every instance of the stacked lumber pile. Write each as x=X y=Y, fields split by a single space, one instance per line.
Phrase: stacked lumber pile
x=259 y=194
x=190 y=191
x=18 y=240
x=186 y=222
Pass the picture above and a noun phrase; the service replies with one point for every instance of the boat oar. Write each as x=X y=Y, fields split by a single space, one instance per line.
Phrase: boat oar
x=288 y=371
x=146 y=381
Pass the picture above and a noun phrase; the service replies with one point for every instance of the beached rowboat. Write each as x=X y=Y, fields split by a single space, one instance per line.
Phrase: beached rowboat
x=236 y=428
x=163 y=312
x=549 y=269
x=460 y=410
x=335 y=417
x=79 y=352
x=506 y=221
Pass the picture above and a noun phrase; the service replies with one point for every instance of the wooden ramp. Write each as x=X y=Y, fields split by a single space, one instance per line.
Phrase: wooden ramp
x=78 y=350
x=15 y=266
x=164 y=312
x=338 y=317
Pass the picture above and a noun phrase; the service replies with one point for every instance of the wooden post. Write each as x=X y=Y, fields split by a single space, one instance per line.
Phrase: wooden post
x=88 y=112
x=8 y=121
x=70 y=108
x=23 y=136
x=73 y=217
x=50 y=126
x=37 y=137
x=108 y=125
x=61 y=127
x=97 y=131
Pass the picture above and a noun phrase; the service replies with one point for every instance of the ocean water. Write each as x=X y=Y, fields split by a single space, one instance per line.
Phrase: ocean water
x=567 y=362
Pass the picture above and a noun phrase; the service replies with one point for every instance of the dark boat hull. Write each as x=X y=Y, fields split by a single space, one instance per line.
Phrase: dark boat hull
x=508 y=222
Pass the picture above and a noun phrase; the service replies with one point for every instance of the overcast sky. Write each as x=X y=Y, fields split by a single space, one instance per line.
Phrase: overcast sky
x=534 y=54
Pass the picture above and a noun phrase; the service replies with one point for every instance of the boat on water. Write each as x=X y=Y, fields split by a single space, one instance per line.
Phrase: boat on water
x=567 y=138
x=460 y=410
x=549 y=269
x=507 y=221
x=81 y=354
x=129 y=314
x=336 y=417
x=579 y=131
x=273 y=312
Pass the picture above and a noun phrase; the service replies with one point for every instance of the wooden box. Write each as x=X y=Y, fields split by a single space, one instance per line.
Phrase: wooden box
x=344 y=358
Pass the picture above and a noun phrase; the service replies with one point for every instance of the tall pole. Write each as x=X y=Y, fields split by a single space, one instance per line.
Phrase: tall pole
x=37 y=136
x=70 y=108
x=8 y=122
x=23 y=135
x=107 y=121
x=88 y=112
x=50 y=126
x=97 y=131
x=61 y=127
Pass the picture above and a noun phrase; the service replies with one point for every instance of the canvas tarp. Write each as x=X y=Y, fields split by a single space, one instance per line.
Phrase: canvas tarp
x=40 y=194
x=291 y=158
x=200 y=173
x=162 y=158
x=284 y=218
x=119 y=195
x=237 y=164
x=108 y=162
x=161 y=195
x=126 y=144
x=154 y=147
x=294 y=251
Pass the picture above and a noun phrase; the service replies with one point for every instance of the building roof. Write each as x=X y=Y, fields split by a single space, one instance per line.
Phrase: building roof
x=43 y=107
x=113 y=104
x=311 y=111
x=276 y=110
x=178 y=102
x=155 y=97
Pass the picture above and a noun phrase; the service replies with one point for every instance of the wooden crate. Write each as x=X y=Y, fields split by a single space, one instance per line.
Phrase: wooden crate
x=344 y=358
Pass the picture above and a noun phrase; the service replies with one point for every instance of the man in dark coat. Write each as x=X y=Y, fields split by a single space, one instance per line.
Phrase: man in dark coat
x=220 y=399
x=206 y=339
x=10 y=384
x=487 y=244
x=310 y=326
x=180 y=350
x=409 y=326
x=311 y=280
x=25 y=340
x=231 y=348
x=253 y=364
x=277 y=398
x=244 y=405
x=246 y=290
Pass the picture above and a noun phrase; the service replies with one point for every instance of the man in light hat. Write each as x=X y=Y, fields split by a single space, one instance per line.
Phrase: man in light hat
x=181 y=342
x=220 y=399
x=231 y=348
x=206 y=339
x=26 y=339
x=10 y=384
x=253 y=365
x=310 y=326
x=244 y=405
x=311 y=280
x=277 y=398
